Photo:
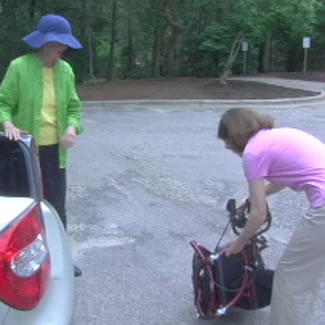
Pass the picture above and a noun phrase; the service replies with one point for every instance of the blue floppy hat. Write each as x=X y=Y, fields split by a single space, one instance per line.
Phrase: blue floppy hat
x=52 y=29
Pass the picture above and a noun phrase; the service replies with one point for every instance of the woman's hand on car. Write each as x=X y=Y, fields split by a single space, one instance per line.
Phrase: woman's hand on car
x=11 y=131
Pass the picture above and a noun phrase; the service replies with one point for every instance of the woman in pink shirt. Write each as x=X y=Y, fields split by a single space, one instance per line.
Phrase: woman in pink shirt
x=275 y=158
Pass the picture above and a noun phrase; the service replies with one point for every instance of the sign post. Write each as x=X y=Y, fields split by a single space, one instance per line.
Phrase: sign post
x=306 y=45
x=244 y=46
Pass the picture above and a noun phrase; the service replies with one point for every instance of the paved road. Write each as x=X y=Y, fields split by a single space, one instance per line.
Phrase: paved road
x=143 y=183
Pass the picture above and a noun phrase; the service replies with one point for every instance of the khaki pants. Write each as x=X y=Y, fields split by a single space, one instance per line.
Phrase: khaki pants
x=298 y=272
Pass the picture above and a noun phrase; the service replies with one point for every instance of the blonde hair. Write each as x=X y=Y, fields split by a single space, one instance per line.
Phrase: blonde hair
x=238 y=125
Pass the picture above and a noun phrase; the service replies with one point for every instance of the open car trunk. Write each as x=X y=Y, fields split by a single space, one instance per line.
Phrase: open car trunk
x=19 y=172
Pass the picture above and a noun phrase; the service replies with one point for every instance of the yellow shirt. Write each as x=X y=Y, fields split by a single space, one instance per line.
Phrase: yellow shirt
x=49 y=126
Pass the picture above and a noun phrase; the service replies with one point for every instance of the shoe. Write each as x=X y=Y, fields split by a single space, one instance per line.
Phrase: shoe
x=77 y=271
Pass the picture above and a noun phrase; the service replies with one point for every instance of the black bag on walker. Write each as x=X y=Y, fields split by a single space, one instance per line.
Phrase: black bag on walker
x=221 y=283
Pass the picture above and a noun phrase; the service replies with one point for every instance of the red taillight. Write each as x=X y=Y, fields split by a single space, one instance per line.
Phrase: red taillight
x=24 y=262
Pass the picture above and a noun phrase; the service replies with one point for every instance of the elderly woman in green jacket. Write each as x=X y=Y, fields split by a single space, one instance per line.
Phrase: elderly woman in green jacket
x=38 y=96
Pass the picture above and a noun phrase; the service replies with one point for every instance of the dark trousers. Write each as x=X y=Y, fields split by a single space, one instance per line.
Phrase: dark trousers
x=54 y=179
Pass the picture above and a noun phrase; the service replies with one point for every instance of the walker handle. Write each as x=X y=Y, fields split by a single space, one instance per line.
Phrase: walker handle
x=239 y=221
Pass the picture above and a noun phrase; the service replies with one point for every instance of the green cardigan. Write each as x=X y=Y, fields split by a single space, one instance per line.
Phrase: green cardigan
x=21 y=97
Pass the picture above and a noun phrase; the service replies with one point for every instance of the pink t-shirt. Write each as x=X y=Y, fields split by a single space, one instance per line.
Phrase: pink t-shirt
x=288 y=157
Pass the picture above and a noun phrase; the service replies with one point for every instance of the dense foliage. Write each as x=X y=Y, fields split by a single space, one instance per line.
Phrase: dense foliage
x=154 y=38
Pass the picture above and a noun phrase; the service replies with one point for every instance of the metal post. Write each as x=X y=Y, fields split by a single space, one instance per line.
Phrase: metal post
x=305 y=60
x=244 y=46
x=306 y=41
x=245 y=62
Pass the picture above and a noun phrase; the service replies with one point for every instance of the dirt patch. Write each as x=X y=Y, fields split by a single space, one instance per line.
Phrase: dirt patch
x=186 y=88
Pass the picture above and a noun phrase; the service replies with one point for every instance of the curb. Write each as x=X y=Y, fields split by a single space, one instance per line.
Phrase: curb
x=201 y=102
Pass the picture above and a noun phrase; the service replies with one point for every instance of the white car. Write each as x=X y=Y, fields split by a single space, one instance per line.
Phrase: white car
x=36 y=270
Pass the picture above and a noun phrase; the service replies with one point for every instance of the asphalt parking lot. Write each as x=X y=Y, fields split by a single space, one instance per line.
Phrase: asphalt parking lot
x=143 y=182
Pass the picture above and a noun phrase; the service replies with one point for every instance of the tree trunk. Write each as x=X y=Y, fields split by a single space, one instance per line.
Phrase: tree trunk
x=83 y=9
x=156 y=53
x=32 y=6
x=236 y=45
x=173 y=54
x=131 y=49
x=88 y=35
x=292 y=58
x=174 y=46
x=90 y=52
x=111 y=65
x=267 y=52
x=10 y=29
x=260 y=57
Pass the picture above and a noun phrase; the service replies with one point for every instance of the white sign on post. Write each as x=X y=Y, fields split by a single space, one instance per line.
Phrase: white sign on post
x=244 y=46
x=306 y=42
